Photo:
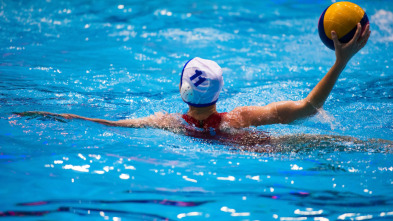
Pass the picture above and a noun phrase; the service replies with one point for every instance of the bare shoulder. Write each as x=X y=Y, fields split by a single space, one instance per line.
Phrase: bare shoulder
x=157 y=120
x=163 y=120
x=246 y=116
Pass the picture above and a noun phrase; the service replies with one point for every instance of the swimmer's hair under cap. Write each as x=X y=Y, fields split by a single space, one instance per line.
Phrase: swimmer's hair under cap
x=201 y=82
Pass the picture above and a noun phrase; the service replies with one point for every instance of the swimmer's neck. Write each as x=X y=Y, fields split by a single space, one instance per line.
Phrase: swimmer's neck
x=201 y=113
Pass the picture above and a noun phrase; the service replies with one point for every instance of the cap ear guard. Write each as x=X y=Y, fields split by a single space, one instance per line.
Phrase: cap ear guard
x=186 y=92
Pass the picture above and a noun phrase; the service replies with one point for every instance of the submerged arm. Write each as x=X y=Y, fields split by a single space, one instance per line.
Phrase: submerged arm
x=158 y=120
x=289 y=111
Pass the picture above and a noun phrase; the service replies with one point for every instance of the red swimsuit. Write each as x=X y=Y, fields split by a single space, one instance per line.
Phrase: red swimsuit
x=210 y=129
x=213 y=121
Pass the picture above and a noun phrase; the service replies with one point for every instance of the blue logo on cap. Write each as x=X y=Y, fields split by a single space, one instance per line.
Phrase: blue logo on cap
x=200 y=78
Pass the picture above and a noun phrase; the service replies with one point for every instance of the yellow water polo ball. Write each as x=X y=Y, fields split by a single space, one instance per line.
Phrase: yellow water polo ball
x=342 y=17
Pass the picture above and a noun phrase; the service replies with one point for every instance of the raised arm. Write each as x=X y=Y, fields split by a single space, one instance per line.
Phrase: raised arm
x=288 y=111
x=158 y=120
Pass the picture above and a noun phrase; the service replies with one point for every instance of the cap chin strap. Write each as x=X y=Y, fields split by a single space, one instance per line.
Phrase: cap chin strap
x=200 y=105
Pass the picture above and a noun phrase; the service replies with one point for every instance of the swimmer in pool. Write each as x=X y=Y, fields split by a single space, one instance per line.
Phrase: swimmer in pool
x=201 y=83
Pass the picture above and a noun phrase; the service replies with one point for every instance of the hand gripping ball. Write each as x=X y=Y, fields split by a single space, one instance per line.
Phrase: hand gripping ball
x=342 y=17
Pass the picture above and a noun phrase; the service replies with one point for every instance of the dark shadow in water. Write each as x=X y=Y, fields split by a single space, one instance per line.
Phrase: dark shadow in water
x=81 y=211
x=299 y=197
x=144 y=201
x=332 y=202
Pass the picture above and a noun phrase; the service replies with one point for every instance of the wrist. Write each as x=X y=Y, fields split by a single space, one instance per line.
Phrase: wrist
x=341 y=63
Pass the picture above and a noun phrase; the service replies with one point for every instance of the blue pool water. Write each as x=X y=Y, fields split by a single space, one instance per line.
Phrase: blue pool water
x=122 y=59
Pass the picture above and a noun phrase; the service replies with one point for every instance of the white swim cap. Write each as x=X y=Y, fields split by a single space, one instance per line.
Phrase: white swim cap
x=201 y=82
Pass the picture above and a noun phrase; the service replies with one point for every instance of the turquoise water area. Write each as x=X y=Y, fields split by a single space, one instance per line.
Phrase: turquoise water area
x=122 y=59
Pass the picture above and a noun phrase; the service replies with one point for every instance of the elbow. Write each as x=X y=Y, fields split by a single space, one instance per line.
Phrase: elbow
x=301 y=109
x=309 y=109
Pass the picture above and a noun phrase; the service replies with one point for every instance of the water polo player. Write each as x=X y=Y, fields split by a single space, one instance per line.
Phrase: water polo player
x=200 y=85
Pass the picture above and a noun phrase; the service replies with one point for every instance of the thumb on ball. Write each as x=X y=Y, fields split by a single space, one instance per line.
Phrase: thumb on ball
x=335 y=38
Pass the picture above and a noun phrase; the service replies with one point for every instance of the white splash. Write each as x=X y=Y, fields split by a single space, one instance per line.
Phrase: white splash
x=384 y=20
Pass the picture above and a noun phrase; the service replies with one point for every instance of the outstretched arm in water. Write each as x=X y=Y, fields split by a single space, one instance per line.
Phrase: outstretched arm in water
x=288 y=111
x=158 y=120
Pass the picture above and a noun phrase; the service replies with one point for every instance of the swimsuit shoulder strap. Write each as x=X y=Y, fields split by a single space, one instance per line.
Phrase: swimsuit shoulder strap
x=214 y=120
